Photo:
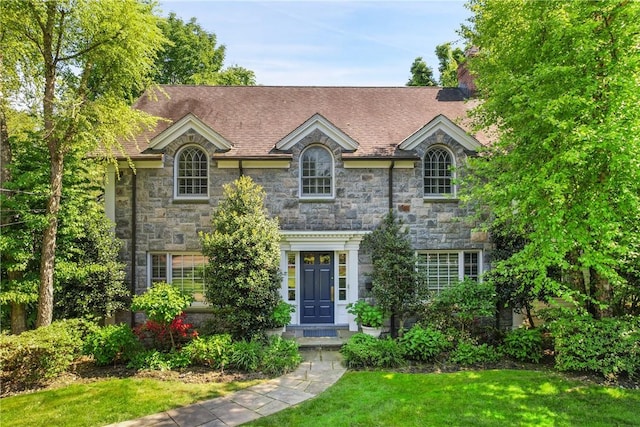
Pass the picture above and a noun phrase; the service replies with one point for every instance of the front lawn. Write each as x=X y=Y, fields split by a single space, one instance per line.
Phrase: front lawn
x=468 y=398
x=107 y=401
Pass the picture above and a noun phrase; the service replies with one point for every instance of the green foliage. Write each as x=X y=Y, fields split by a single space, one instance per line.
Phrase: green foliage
x=365 y=351
x=155 y=360
x=112 y=344
x=281 y=316
x=36 y=356
x=423 y=344
x=524 y=345
x=366 y=314
x=449 y=60
x=280 y=356
x=421 y=74
x=242 y=274
x=246 y=355
x=559 y=82
x=214 y=351
x=162 y=303
x=74 y=74
x=396 y=281
x=459 y=306
x=610 y=346
x=191 y=56
x=469 y=353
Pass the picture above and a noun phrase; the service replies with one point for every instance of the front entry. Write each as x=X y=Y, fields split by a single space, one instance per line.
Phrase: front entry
x=317 y=287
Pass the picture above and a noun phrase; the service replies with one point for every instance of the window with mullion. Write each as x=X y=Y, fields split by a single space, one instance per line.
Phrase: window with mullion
x=185 y=271
x=316 y=172
x=443 y=269
x=192 y=173
x=438 y=176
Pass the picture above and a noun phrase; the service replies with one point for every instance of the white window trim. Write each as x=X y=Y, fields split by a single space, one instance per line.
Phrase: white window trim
x=460 y=253
x=176 y=165
x=454 y=187
x=330 y=196
x=169 y=272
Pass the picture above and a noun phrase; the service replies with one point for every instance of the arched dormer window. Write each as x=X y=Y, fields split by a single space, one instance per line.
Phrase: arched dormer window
x=438 y=172
x=316 y=173
x=191 y=173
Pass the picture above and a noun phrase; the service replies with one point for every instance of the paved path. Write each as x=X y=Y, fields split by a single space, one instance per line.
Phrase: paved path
x=319 y=370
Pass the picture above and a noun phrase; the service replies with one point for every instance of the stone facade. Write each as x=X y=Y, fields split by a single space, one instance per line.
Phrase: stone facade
x=361 y=201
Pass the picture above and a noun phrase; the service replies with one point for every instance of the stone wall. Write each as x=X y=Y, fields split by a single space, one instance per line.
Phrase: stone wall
x=361 y=201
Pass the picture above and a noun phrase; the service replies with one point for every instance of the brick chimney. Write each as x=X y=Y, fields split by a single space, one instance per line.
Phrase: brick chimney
x=466 y=80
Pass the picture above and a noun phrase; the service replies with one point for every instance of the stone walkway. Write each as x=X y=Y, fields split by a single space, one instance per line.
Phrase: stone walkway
x=319 y=370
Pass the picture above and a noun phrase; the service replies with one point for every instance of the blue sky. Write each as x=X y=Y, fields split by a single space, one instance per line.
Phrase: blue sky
x=328 y=43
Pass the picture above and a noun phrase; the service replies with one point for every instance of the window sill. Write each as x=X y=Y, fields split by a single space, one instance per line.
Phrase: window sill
x=190 y=201
x=441 y=200
x=316 y=200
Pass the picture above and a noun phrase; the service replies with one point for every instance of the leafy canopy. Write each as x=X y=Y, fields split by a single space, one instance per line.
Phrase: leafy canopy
x=559 y=84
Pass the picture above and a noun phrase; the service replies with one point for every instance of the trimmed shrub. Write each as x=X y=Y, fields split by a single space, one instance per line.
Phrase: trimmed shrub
x=423 y=344
x=112 y=344
x=34 y=357
x=213 y=351
x=468 y=353
x=280 y=356
x=610 y=346
x=524 y=345
x=365 y=351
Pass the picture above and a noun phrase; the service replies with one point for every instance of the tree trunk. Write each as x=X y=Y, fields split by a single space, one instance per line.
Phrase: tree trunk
x=18 y=318
x=56 y=158
x=47 y=261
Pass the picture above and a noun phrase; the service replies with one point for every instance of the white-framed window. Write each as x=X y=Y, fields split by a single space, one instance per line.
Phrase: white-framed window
x=445 y=268
x=342 y=276
x=438 y=172
x=316 y=173
x=191 y=173
x=184 y=270
x=292 y=274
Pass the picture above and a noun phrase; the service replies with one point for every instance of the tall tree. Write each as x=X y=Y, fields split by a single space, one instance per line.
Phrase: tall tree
x=397 y=285
x=449 y=59
x=560 y=85
x=65 y=45
x=192 y=56
x=243 y=250
x=421 y=74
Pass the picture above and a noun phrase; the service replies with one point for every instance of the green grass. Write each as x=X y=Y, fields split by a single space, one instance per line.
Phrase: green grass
x=105 y=402
x=483 y=398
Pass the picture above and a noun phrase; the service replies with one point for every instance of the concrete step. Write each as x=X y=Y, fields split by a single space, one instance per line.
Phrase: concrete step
x=341 y=336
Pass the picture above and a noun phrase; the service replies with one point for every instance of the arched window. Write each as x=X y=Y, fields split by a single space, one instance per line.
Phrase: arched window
x=191 y=173
x=316 y=173
x=438 y=174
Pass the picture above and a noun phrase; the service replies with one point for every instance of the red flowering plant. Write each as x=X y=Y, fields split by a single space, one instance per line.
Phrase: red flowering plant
x=158 y=335
x=163 y=305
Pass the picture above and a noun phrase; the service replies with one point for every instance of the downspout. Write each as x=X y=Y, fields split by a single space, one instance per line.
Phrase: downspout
x=134 y=226
x=240 y=170
x=393 y=163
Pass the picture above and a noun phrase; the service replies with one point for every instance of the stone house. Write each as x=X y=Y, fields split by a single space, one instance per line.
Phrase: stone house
x=332 y=160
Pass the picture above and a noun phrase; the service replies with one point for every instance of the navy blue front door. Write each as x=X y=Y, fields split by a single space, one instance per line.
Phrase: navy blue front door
x=317 y=287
